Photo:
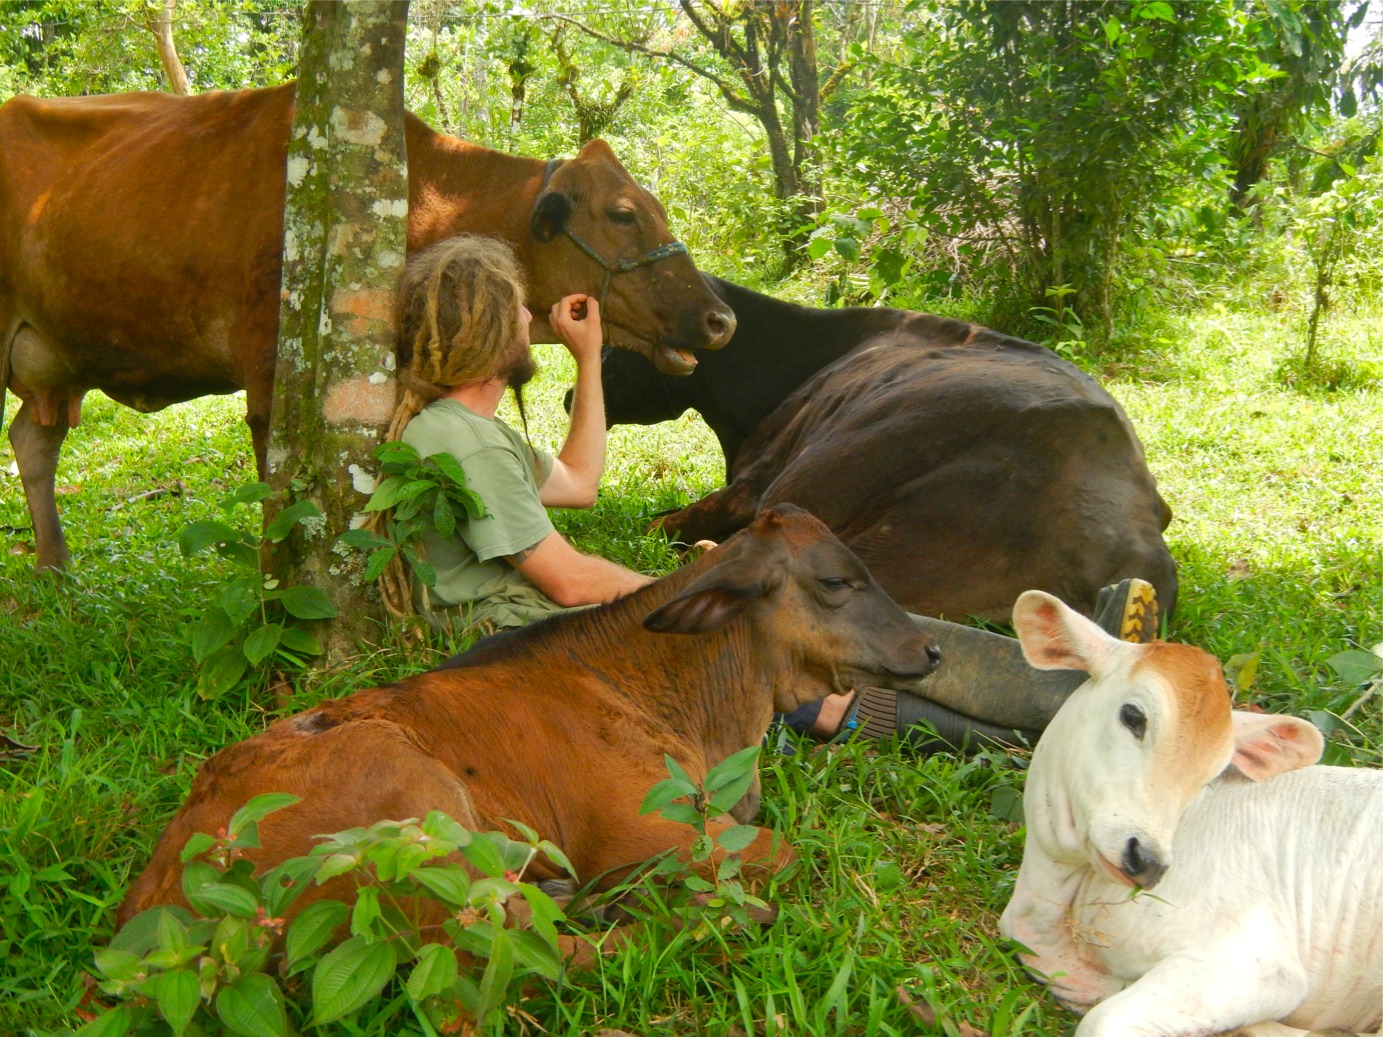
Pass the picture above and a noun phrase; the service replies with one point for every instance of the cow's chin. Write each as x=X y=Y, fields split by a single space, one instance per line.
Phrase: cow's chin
x=667 y=358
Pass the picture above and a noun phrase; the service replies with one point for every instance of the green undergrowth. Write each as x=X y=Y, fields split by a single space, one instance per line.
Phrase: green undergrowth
x=887 y=920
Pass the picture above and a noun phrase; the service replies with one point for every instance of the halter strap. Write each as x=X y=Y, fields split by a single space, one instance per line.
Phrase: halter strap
x=615 y=266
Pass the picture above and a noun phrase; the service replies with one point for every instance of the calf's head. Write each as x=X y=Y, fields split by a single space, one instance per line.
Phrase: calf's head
x=816 y=620
x=1129 y=750
x=601 y=233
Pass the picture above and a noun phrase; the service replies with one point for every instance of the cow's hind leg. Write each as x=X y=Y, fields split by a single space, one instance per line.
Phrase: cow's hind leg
x=36 y=449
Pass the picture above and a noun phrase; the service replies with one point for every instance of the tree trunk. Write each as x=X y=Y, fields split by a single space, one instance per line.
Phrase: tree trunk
x=162 y=28
x=344 y=244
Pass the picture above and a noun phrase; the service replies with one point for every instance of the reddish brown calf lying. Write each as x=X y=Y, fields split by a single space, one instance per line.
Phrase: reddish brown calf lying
x=563 y=725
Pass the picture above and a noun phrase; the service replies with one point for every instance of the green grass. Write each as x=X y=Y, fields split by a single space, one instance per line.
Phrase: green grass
x=903 y=867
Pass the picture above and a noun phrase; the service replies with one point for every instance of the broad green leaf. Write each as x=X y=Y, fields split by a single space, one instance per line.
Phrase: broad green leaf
x=178 y=994
x=1006 y=803
x=140 y=934
x=214 y=630
x=543 y=911
x=239 y=598
x=424 y=571
x=240 y=552
x=849 y=248
x=449 y=467
x=250 y=493
x=260 y=642
x=221 y=672
x=296 y=639
x=198 y=536
x=282 y=885
x=378 y=562
x=313 y=929
x=336 y=864
x=253 y=1006
x=396 y=451
x=736 y=838
x=199 y=843
x=443 y=518
x=663 y=793
x=732 y=768
x=482 y=853
x=554 y=853
x=349 y=976
x=364 y=539
x=532 y=951
x=701 y=847
x=386 y=494
x=435 y=972
x=683 y=813
x=447 y=883
x=494 y=985
x=115 y=1023
x=117 y=964
x=365 y=911
x=1356 y=666
x=675 y=769
x=217 y=898
x=283 y=523
x=257 y=809
x=818 y=247
x=306 y=603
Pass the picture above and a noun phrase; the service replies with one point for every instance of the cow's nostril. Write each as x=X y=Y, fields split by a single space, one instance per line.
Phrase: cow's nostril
x=1140 y=865
x=719 y=325
x=934 y=654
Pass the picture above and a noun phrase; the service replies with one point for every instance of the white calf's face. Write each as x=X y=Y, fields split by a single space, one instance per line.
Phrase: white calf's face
x=1132 y=746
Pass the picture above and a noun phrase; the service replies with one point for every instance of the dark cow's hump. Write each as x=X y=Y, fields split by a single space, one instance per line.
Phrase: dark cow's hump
x=509 y=644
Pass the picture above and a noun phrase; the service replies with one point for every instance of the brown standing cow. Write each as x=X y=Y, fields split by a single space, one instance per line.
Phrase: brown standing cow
x=141 y=241
x=563 y=725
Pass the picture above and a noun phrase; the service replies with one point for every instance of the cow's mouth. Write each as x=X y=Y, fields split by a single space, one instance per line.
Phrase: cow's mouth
x=672 y=360
x=1115 y=873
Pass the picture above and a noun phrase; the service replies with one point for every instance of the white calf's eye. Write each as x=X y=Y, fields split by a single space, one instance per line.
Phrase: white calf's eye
x=1134 y=719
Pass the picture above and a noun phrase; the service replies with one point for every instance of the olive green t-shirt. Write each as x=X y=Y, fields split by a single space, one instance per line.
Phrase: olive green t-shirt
x=506 y=472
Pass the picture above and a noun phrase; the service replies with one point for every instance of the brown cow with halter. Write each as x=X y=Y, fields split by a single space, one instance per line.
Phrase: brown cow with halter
x=141 y=240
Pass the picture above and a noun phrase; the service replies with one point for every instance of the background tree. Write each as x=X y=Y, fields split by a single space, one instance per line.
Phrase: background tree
x=344 y=242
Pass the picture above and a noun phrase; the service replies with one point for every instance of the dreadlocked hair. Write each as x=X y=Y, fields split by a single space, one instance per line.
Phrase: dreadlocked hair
x=457 y=316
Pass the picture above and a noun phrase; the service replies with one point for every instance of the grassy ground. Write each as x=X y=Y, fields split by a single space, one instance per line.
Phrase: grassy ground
x=904 y=864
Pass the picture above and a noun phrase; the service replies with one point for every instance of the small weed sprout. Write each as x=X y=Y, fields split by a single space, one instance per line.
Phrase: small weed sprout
x=680 y=799
x=254 y=618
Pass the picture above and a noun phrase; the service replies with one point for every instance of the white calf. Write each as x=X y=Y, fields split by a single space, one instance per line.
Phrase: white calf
x=1271 y=908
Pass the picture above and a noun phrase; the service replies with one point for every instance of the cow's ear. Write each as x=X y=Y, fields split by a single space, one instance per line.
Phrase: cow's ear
x=707 y=605
x=1266 y=745
x=550 y=214
x=1056 y=637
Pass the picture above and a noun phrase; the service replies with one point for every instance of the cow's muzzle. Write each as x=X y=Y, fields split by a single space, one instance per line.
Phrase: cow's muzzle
x=1141 y=864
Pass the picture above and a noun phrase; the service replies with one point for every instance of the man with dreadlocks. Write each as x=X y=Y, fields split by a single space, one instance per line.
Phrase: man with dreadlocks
x=463 y=340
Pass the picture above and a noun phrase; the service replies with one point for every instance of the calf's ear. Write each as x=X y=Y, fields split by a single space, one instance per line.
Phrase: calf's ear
x=550 y=214
x=1056 y=637
x=1266 y=745
x=707 y=605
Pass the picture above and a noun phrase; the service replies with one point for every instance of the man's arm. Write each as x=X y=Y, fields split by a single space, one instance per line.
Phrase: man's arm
x=570 y=578
x=577 y=469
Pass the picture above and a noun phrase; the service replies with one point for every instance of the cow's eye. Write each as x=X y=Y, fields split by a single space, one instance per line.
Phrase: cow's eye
x=623 y=216
x=836 y=583
x=1134 y=719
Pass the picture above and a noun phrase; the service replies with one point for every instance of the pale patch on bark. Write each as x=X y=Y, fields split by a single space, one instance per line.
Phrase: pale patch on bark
x=356 y=127
x=297 y=169
x=385 y=207
x=357 y=401
x=363 y=481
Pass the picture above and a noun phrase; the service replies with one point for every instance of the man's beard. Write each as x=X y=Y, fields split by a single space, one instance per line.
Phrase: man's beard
x=521 y=371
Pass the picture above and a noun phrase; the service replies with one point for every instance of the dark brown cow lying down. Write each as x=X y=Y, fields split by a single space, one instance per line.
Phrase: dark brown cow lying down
x=141 y=240
x=962 y=466
x=564 y=725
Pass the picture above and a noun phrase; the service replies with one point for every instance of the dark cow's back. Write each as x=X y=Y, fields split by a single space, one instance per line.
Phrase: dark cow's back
x=963 y=466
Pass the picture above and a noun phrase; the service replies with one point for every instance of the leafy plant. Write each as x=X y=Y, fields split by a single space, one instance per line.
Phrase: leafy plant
x=417 y=488
x=232 y=965
x=253 y=616
x=725 y=785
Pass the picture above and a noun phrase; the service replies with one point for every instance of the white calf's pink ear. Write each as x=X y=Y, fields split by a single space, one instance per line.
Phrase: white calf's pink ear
x=1266 y=745
x=1056 y=637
